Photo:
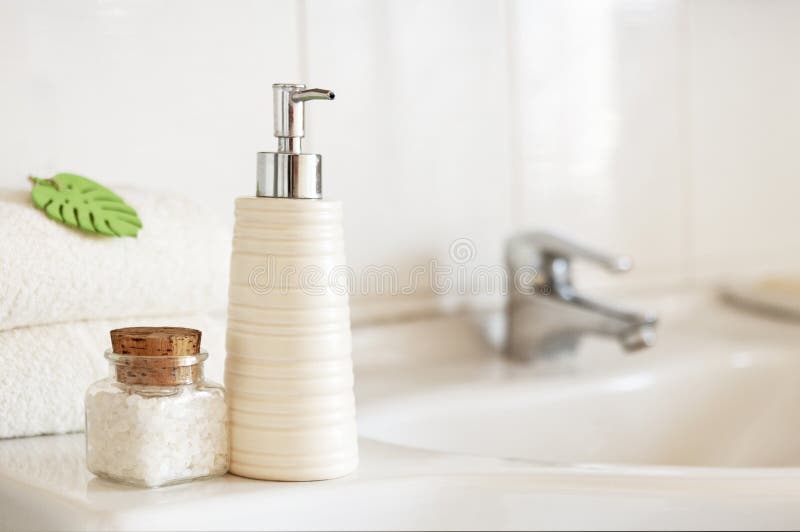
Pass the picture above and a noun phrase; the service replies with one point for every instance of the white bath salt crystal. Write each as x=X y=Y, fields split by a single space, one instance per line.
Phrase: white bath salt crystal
x=156 y=440
x=155 y=420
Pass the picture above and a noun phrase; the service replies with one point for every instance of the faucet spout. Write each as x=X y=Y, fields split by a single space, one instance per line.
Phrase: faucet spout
x=635 y=330
x=549 y=316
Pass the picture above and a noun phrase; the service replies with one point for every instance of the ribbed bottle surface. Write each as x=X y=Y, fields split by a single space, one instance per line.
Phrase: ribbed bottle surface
x=289 y=371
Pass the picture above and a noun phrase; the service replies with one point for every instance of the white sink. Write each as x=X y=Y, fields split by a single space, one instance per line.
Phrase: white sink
x=705 y=398
x=718 y=391
x=721 y=411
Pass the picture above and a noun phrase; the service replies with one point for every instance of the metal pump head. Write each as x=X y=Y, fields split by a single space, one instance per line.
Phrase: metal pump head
x=288 y=172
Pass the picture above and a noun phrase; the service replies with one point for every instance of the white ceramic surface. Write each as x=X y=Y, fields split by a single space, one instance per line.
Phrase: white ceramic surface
x=289 y=372
x=663 y=129
x=649 y=413
x=598 y=127
x=743 y=114
x=417 y=141
x=174 y=96
x=728 y=410
x=44 y=486
x=718 y=391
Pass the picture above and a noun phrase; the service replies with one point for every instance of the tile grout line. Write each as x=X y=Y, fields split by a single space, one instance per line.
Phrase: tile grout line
x=688 y=259
x=301 y=11
x=513 y=126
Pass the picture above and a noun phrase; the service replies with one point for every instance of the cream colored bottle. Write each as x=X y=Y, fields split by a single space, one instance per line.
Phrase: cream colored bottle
x=288 y=372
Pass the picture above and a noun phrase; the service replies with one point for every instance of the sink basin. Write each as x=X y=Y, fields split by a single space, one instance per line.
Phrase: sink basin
x=734 y=409
x=718 y=391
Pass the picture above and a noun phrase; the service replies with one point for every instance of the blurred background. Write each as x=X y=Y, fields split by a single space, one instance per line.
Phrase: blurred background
x=665 y=129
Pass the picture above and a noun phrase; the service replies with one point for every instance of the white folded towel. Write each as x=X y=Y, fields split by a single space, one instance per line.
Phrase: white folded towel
x=51 y=273
x=45 y=370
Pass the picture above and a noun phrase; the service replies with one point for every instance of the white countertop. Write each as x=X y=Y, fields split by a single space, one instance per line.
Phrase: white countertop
x=44 y=483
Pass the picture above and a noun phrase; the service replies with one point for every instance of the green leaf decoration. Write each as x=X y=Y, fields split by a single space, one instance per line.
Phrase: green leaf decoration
x=81 y=203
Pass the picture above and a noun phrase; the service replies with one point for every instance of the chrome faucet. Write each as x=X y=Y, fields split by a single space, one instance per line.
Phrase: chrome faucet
x=547 y=315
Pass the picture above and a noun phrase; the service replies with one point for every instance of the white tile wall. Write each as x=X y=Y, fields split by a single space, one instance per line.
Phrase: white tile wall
x=418 y=140
x=172 y=94
x=660 y=128
x=744 y=82
x=598 y=127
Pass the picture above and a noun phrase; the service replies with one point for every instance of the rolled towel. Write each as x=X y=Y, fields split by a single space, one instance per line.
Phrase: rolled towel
x=51 y=273
x=47 y=369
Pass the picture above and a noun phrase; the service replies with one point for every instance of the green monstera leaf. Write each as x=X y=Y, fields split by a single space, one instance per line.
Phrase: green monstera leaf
x=80 y=202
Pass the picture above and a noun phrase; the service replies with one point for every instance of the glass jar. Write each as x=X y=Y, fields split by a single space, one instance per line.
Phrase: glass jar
x=156 y=421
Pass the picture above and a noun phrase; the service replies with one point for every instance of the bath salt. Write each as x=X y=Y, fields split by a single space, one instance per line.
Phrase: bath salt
x=156 y=440
x=155 y=420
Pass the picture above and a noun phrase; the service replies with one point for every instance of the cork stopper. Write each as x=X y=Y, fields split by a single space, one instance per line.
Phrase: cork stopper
x=157 y=356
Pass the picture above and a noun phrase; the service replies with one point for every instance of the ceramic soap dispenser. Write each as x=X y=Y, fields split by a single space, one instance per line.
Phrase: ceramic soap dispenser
x=289 y=369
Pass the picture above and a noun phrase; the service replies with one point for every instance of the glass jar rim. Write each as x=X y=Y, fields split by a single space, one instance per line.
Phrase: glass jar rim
x=176 y=360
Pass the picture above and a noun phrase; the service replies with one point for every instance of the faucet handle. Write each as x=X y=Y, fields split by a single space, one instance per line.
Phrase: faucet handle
x=553 y=246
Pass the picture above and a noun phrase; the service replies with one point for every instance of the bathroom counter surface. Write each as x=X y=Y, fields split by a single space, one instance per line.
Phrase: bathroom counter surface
x=44 y=483
x=44 y=486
